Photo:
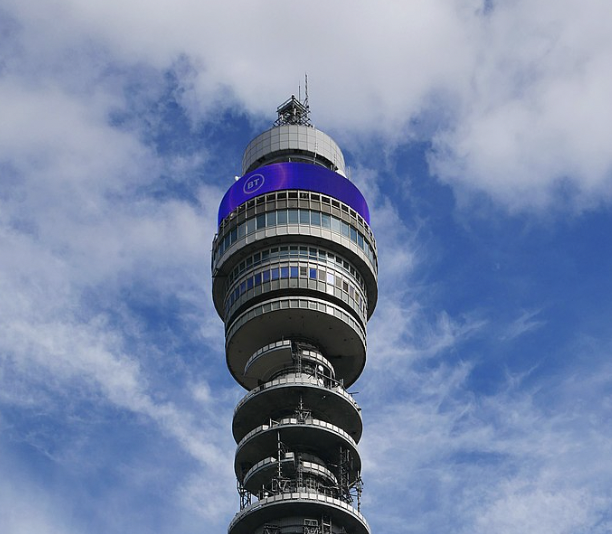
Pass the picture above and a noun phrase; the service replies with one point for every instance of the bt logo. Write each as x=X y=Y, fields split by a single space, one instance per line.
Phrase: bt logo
x=253 y=184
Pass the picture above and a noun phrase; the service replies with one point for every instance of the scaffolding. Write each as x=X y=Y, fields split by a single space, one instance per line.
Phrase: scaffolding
x=293 y=112
x=311 y=526
x=245 y=496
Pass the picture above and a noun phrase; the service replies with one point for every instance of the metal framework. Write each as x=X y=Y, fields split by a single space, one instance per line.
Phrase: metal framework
x=293 y=111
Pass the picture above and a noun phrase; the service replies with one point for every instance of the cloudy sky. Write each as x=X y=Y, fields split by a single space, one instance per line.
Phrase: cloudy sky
x=480 y=132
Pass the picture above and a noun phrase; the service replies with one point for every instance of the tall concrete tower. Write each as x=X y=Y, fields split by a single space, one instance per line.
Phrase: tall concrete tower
x=295 y=280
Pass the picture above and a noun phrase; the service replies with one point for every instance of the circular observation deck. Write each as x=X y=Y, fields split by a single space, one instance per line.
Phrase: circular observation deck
x=288 y=510
x=325 y=325
x=293 y=142
x=274 y=399
x=281 y=355
x=310 y=436
x=263 y=472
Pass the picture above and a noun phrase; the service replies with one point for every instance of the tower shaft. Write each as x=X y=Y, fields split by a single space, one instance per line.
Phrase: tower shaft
x=295 y=280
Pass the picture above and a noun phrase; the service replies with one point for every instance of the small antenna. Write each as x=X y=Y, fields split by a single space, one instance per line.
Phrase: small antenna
x=306 y=91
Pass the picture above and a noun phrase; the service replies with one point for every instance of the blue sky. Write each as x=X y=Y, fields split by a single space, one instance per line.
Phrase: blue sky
x=480 y=133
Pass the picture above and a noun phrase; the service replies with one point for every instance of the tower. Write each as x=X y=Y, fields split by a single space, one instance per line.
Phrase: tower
x=294 y=267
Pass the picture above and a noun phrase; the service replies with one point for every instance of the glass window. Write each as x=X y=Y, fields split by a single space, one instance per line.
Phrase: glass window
x=256 y=258
x=233 y=235
x=304 y=217
x=315 y=218
x=303 y=271
x=360 y=240
x=304 y=252
x=325 y=220
x=275 y=273
x=265 y=255
x=250 y=226
x=284 y=252
x=266 y=276
x=313 y=273
x=353 y=235
x=294 y=272
x=250 y=282
x=335 y=224
x=261 y=221
x=281 y=217
x=284 y=272
x=322 y=275
x=242 y=287
x=345 y=229
x=330 y=278
x=258 y=279
x=271 y=218
x=293 y=216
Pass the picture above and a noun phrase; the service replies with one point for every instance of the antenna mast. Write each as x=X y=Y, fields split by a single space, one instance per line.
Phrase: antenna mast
x=294 y=111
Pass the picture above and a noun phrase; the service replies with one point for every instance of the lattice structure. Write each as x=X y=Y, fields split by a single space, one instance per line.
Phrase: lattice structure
x=311 y=526
x=293 y=112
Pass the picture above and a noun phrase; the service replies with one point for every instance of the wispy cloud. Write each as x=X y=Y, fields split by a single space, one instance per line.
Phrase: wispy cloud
x=526 y=322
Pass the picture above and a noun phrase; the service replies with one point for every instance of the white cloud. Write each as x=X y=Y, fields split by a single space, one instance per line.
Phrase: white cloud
x=28 y=510
x=514 y=94
x=80 y=235
x=526 y=322
x=532 y=127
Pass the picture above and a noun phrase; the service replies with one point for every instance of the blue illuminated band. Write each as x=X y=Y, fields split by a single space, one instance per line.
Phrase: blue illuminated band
x=300 y=176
